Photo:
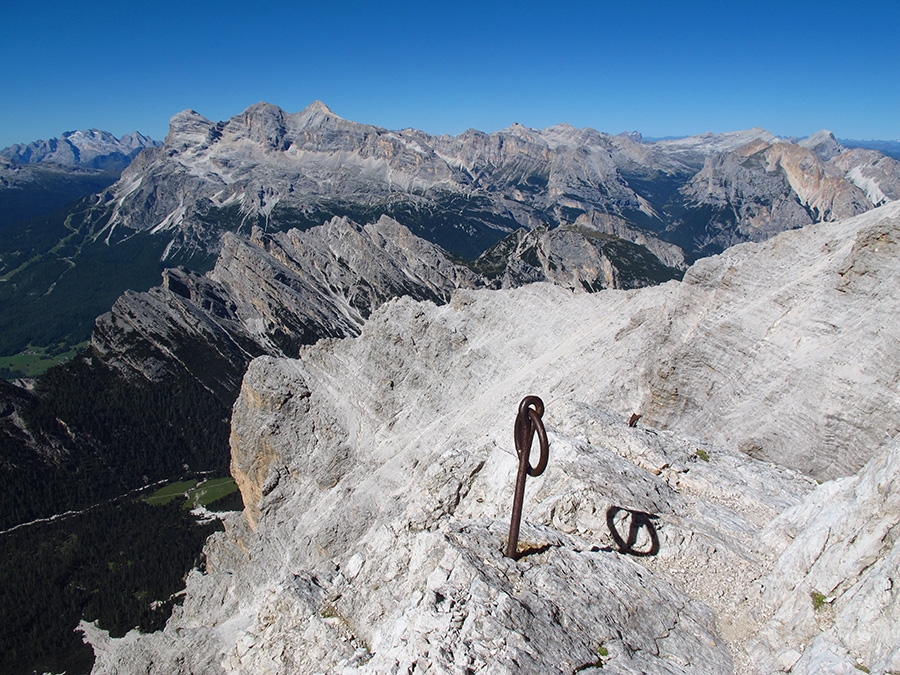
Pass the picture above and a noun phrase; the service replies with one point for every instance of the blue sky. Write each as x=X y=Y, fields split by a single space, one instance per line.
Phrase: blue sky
x=662 y=68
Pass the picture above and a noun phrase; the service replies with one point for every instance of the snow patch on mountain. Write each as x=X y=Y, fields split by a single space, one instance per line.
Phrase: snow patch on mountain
x=868 y=184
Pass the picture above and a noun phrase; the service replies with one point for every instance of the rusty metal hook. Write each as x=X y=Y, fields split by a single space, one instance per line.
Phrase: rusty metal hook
x=528 y=421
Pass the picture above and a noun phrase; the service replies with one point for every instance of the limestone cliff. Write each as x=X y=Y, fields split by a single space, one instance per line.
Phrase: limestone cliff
x=762 y=188
x=270 y=293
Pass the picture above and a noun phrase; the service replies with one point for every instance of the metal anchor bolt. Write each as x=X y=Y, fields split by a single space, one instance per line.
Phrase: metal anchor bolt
x=528 y=421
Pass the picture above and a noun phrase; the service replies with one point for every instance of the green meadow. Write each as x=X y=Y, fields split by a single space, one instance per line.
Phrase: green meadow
x=195 y=493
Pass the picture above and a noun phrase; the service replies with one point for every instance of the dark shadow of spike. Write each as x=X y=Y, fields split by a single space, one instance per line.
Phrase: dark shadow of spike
x=639 y=520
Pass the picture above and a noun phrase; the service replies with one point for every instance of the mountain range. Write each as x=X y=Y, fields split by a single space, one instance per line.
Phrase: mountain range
x=91 y=148
x=262 y=235
x=39 y=177
x=678 y=199
x=274 y=169
x=295 y=227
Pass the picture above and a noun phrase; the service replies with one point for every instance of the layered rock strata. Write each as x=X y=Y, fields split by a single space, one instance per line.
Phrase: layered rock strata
x=270 y=294
x=465 y=192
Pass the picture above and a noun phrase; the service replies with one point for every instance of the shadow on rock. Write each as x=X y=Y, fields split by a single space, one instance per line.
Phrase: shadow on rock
x=636 y=520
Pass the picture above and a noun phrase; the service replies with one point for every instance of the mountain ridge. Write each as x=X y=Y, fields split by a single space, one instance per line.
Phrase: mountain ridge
x=557 y=168
x=90 y=148
x=275 y=170
x=377 y=473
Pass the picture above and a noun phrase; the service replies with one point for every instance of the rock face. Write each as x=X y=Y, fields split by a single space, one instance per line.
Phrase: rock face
x=814 y=319
x=23 y=441
x=270 y=294
x=578 y=256
x=377 y=474
x=268 y=167
x=763 y=188
x=832 y=592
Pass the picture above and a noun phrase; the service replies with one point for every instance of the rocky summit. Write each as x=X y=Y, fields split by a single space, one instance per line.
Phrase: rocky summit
x=377 y=476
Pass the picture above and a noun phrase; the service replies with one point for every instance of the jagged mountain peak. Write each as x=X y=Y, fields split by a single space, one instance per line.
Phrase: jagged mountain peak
x=88 y=135
x=264 y=124
x=818 y=137
x=261 y=111
x=187 y=116
x=186 y=128
x=319 y=115
x=318 y=108
x=566 y=134
x=136 y=138
x=633 y=136
x=521 y=131
x=824 y=144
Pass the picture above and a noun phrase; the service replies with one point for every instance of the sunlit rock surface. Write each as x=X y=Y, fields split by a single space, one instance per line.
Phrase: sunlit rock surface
x=378 y=474
x=266 y=167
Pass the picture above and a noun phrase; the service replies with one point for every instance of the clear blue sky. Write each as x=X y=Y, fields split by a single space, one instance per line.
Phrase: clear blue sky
x=664 y=68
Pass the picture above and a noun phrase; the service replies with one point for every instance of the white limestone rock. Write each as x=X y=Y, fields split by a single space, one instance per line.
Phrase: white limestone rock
x=833 y=591
x=378 y=475
x=269 y=294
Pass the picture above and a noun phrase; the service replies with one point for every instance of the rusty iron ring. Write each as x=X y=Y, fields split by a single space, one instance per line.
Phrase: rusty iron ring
x=528 y=422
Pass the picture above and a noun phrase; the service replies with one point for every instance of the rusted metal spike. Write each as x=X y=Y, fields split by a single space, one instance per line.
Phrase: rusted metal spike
x=528 y=422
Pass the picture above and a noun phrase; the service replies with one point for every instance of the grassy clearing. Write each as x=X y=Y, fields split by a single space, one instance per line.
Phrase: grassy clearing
x=170 y=492
x=195 y=493
x=35 y=361
x=210 y=491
